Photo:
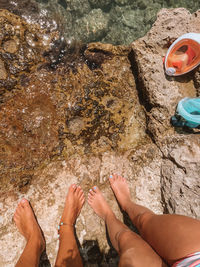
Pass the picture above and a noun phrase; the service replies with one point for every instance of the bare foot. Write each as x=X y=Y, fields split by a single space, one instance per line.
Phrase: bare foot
x=121 y=190
x=27 y=225
x=73 y=204
x=98 y=203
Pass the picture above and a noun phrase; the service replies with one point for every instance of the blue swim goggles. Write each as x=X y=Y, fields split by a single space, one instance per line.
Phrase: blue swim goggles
x=187 y=113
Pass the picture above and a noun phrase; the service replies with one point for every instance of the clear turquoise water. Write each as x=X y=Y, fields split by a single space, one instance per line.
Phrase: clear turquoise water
x=110 y=21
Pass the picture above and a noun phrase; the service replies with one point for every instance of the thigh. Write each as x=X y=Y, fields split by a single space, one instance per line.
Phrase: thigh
x=135 y=252
x=172 y=236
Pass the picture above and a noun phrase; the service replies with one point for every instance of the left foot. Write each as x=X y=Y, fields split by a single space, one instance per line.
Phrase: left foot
x=73 y=204
x=98 y=203
x=27 y=225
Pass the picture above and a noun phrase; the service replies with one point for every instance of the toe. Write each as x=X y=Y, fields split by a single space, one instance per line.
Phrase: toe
x=24 y=203
x=111 y=178
x=72 y=187
x=114 y=177
x=120 y=177
x=15 y=217
x=79 y=191
x=90 y=196
x=96 y=189
x=89 y=200
x=91 y=192
x=81 y=194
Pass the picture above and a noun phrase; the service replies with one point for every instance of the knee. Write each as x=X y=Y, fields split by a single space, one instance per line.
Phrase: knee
x=126 y=259
x=142 y=219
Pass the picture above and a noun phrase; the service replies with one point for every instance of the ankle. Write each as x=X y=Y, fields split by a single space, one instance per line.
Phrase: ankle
x=37 y=242
x=128 y=207
x=109 y=214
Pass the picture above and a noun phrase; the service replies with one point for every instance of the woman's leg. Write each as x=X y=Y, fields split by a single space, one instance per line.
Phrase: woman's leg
x=133 y=250
x=172 y=236
x=68 y=253
x=29 y=228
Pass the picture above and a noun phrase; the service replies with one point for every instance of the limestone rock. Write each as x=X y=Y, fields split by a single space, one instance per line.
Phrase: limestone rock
x=160 y=94
x=180 y=176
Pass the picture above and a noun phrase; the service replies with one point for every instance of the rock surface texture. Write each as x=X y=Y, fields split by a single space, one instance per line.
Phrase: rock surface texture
x=73 y=114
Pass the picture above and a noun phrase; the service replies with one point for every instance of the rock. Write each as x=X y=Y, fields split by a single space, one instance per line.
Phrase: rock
x=91 y=27
x=80 y=7
x=197 y=80
x=122 y=2
x=10 y=46
x=160 y=95
x=75 y=118
x=150 y=13
x=3 y=73
x=100 y=3
x=180 y=177
x=132 y=18
x=127 y=35
x=81 y=113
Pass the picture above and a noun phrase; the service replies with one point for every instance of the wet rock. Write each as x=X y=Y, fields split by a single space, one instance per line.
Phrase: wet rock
x=132 y=18
x=10 y=46
x=122 y=2
x=150 y=13
x=92 y=27
x=3 y=73
x=80 y=7
x=99 y=3
x=20 y=48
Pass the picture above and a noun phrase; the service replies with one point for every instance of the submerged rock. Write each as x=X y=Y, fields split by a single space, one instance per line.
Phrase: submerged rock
x=100 y=3
x=92 y=26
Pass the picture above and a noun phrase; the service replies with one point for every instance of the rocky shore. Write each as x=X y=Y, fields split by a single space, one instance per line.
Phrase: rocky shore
x=73 y=113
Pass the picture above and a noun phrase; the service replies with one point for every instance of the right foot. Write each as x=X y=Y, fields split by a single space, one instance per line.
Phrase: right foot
x=73 y=204
x=27 y=225
x=121 y=190
x=98 y=203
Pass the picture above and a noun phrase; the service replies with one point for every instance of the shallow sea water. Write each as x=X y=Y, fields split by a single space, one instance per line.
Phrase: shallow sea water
x=109 y=21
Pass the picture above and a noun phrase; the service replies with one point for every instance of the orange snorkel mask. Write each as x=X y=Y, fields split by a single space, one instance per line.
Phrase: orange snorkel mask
x=183 y=55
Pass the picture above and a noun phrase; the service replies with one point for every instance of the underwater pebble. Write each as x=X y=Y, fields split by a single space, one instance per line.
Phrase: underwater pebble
x=10 y=46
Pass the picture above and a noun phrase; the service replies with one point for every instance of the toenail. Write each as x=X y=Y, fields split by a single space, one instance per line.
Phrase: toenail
x=90 y=190
x=23 y=200
x=111 y=176
x=95 y=187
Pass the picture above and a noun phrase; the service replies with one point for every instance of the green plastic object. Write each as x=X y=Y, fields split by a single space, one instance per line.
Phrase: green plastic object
x=187 y=113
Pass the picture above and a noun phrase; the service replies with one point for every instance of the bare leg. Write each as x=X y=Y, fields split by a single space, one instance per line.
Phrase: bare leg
x=29 y=228
x=133 y=250
x=172 y=236
x=68 y=253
